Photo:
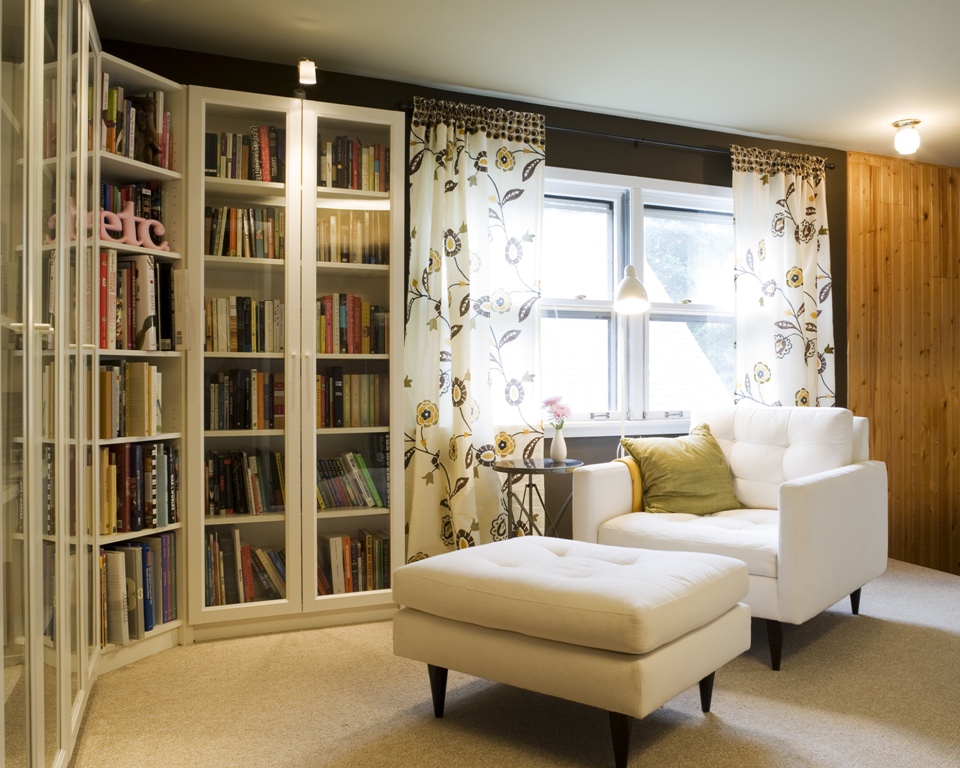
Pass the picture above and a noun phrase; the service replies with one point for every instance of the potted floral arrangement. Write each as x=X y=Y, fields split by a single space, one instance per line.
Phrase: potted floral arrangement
x=558 y=412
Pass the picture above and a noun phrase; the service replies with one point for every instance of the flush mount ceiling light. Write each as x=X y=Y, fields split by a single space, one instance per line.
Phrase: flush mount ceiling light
x=907 y=139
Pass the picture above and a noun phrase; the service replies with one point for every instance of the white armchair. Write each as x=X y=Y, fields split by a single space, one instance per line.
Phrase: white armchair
x=813 y=527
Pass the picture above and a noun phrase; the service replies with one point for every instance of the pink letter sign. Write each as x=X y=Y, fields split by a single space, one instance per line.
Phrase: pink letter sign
x=133 y=230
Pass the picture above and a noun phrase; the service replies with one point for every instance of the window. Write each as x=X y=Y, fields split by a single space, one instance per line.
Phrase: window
x=680 y=238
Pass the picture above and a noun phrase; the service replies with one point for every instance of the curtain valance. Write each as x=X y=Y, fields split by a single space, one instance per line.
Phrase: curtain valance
x=497 y=124
x=772 y=162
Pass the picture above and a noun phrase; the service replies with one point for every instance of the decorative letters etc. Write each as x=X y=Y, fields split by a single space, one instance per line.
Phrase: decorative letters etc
x=133 y=230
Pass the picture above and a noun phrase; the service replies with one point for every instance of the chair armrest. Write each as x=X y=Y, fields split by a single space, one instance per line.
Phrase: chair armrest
x=600 y=492
x=833 y=537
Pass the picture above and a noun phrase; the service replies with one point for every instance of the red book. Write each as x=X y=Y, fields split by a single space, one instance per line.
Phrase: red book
x=265 y=153
x=103 y=300
x=328 y=324
x=347 y=564
x=247 y=565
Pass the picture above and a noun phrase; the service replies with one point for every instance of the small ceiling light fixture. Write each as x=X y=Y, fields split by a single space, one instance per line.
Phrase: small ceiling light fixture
x=907 y=138
x=307 y=72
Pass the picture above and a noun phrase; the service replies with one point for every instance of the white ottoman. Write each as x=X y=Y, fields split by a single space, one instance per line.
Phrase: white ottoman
x=618 y=628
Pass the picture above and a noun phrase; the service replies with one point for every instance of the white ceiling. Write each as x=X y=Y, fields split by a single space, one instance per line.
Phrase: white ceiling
x=834 y=73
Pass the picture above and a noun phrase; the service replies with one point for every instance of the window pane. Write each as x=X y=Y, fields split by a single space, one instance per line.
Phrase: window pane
x=691 y=364
x=577 y=253
x=688 y=256
x=576 y=361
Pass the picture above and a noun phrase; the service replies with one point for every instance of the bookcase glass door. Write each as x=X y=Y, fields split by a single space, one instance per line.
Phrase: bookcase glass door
x=16 y=592
x=351 y=290
x=246 y=548
x=35 y=373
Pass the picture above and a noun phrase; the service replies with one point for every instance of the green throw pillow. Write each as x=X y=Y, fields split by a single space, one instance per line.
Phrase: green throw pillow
x=683 y=474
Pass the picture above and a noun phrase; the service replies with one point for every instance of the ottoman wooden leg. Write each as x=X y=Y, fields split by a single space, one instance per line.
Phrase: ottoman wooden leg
x=706 y=691
x=620 y=726
x=438 y=687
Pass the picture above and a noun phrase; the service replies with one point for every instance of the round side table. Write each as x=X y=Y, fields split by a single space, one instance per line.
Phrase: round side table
x=515 y=469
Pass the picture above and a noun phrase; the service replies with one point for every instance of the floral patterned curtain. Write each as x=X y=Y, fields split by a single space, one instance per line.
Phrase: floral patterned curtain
x=471 y=343
x=784 y=309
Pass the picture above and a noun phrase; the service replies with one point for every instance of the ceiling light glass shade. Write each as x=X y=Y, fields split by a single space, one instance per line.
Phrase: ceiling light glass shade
x=631 y=298
x=907 y=139
x=308 y=72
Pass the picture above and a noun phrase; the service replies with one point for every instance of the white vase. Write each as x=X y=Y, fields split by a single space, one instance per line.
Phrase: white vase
x=558 y=448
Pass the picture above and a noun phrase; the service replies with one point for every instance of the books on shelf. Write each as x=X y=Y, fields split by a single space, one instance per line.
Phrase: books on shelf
x=243 y=398
x=135 y=125
x=351 y=399
x=131 y=399
x=358 y=563
x=138 y=587
x=346 y=480
x=347 y=324
x=353 y=237
x=140 y=487
x=139 y=303
x=346 y=163
x=258 y=155
x=242 y=483
x=238 y=572
x=146 y=198
x=247 y=233
x=244 y=324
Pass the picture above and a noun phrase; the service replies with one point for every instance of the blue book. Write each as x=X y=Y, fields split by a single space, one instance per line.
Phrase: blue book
x=149 y=594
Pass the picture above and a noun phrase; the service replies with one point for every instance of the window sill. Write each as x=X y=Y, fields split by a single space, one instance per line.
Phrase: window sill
x=647 y=427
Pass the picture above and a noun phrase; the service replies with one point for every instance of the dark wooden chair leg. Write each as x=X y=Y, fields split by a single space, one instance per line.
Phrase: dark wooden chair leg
x=706 y=691
x=775 y=637
x=620 y=725
x=855 y=602
x=438 y=687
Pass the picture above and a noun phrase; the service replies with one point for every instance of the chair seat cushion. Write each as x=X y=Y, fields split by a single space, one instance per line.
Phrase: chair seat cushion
x=750 y=535
x=613 y=598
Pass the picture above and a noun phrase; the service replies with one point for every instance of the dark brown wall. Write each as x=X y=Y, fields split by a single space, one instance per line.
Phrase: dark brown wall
x=564 y=149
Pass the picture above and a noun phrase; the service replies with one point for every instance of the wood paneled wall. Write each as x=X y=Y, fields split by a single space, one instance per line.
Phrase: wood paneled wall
x=903 y=315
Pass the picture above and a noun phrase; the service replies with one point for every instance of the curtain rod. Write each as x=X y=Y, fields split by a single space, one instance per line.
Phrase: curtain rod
x=633 y=139
x=653 y=142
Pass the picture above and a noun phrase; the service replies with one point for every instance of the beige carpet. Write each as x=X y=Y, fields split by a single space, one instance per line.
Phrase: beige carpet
x=879 y=689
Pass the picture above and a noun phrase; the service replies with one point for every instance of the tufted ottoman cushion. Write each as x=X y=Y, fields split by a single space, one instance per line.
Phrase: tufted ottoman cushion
x=612 y=598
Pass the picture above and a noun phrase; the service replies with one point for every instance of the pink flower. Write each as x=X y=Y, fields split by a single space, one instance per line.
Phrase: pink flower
x=558 y=410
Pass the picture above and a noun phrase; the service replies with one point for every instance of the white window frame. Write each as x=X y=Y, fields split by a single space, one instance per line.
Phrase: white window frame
x=629 y=195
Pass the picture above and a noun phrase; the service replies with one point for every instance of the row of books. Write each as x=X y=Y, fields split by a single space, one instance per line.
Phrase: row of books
x=258 y=155
x=143 y=303
x=48 y=488
x=244 y=398
x=245 y=483
x=131 y=396
x=354 y=563
x=146 y=196
x=140 y=487
x=346 y=324
x=346 y=163
x=346 y=481
x=354 y=237
x=247 y=233
x=240 y=573
x=138 y=587
x=352 y=399
x=48 y=401
x=243 y=324
x=134 y=125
